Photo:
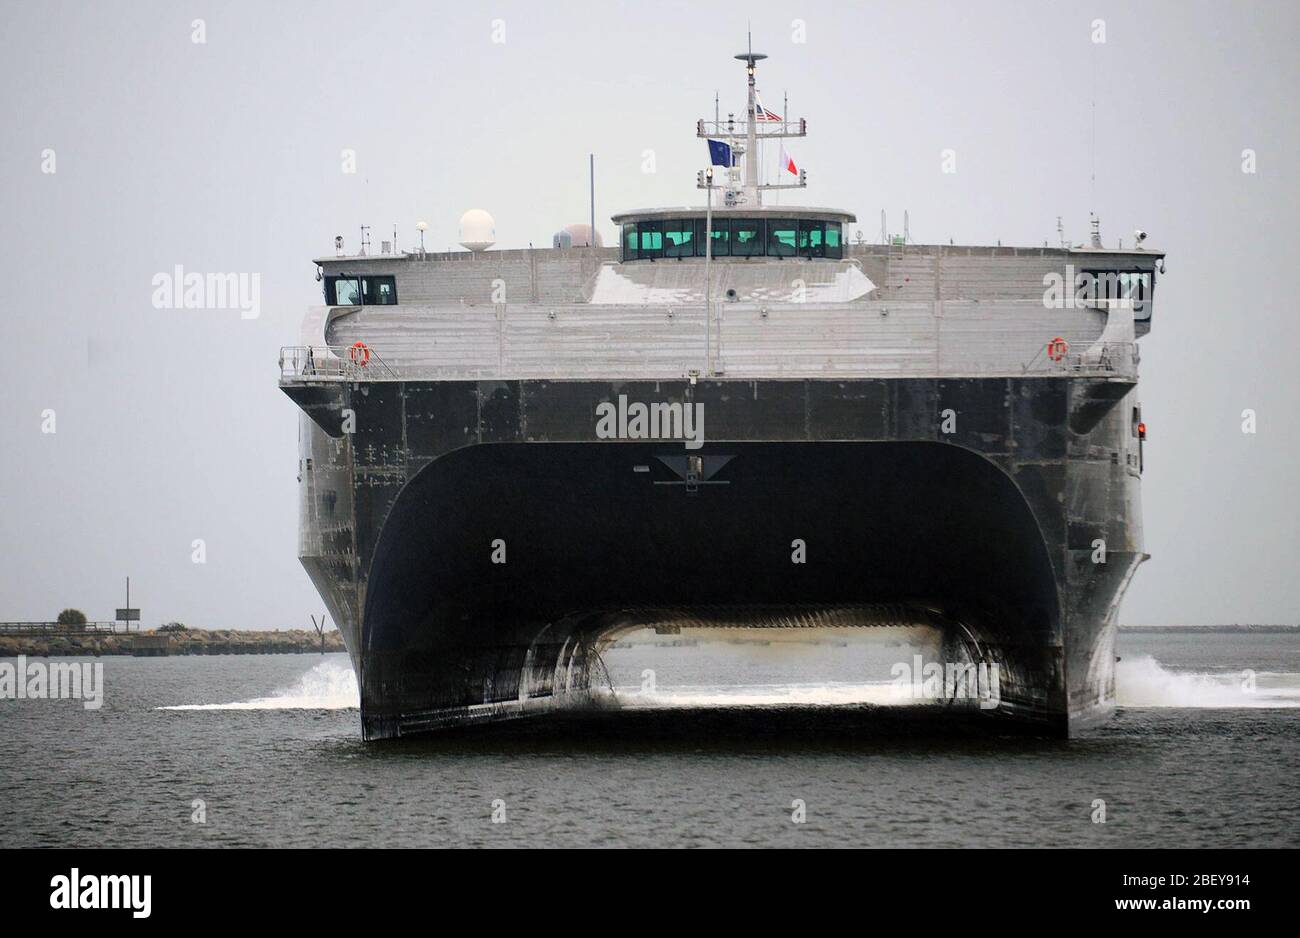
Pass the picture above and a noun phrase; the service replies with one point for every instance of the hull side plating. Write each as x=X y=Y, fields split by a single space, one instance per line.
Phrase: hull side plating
x=1018 y=529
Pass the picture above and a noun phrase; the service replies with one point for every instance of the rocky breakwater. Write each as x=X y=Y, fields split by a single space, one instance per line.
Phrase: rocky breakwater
x=164 y=642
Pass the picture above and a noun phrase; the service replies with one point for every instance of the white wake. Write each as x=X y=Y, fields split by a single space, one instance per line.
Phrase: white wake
x=327 y=686
x=1141 y=682
x=767 y=695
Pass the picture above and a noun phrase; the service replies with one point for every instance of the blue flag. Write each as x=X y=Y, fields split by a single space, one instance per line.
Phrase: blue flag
x=719 y=153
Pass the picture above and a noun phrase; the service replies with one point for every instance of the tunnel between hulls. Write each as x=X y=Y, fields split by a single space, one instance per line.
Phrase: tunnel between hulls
x=598 y=537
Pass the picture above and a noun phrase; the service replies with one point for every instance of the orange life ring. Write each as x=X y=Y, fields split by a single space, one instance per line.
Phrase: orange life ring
x=359 y=353
x=1057 y=348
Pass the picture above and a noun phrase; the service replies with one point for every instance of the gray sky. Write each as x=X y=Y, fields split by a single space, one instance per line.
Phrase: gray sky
x=226 y=156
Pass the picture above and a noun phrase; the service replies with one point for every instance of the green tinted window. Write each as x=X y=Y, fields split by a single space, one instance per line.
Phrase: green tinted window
x=679 y=238
x=782 y=235
x=651 y=236
x=721 y=239
x=812 y=238
x=834 y=248
x=737 y=237
x=746 y=237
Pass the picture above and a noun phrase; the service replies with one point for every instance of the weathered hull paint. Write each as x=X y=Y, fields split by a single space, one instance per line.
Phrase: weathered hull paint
x=992 y=528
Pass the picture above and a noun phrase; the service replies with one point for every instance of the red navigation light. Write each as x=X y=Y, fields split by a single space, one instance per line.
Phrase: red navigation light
x=1142 y=431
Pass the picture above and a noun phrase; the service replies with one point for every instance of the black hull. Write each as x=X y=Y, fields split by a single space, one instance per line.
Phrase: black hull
x=990 y=530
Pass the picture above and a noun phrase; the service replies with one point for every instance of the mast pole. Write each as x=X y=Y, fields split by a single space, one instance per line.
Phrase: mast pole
x=751 y=138
x=752 y=191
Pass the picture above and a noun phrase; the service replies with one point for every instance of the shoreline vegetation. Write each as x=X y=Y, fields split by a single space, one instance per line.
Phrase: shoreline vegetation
x=165 y=642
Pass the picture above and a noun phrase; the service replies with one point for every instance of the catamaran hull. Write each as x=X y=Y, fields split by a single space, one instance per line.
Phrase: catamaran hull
x=475 y=541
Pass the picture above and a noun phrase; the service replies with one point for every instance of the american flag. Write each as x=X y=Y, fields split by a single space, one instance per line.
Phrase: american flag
x=763 y=114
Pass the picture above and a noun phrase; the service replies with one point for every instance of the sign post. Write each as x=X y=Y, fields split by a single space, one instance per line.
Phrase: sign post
x=128 y=615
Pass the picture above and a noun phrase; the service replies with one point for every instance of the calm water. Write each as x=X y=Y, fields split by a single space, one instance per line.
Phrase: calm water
x=271 y=745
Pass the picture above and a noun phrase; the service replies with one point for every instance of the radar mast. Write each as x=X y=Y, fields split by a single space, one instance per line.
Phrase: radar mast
x=760 y=124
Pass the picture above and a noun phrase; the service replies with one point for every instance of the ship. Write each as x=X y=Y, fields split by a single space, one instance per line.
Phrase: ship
x=738 y=417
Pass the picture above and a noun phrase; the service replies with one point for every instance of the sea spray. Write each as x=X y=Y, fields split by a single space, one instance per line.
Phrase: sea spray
x=1141 y=682
x=327 y=686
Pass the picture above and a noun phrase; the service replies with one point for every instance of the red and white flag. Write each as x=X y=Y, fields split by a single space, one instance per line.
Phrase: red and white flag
x=788 y=164
x=762 y=113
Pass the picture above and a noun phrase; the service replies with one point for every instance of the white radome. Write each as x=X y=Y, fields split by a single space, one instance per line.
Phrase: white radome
x=478 y=230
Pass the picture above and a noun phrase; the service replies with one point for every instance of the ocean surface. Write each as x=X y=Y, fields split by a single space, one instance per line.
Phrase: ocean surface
x=266 y=751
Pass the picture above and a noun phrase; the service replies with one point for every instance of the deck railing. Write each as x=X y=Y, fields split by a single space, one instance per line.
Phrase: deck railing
x=1102 y=359
x=738 y=343
x=333 y=363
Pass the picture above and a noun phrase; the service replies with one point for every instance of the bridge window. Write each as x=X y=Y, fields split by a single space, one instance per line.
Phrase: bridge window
x=1132 y=285
x=819 y=239
x=679 y=236
x=1135 y=285
x=342 y=291
x=720 y=246
x=746 y=237
x=834 y=242
x=379 y=291
x=719 y=238
x=355 y=291
x=650 y=236
x=643 y=240
x=731 y=237
x=698 y=226
x=812 y=239
x=782 y=237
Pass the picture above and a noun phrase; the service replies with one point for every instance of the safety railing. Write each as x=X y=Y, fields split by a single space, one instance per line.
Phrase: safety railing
x=56 y=628
x=1104 y=359
x=357 y=362
x=744 y=354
